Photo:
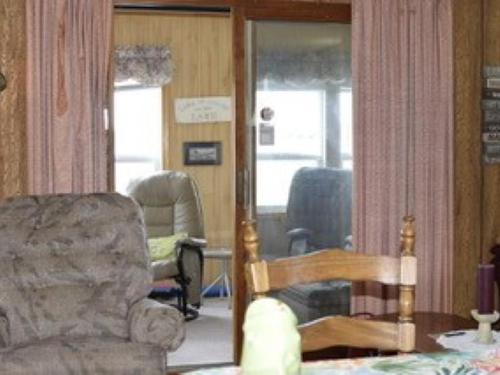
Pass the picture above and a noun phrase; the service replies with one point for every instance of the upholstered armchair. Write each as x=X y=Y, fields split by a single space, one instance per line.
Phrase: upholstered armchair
x=75 y=275
x=319 y=217
x=171 y=205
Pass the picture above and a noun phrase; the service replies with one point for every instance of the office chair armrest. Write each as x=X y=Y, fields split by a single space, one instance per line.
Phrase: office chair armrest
x=195 y=242
x=151 y=322
x=300 y=241
x=299 y=233
x=190 y=266
x=191 y=244
x=348 y=243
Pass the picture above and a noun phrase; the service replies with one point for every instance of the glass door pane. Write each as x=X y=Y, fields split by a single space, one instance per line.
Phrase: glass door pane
x=302 y=149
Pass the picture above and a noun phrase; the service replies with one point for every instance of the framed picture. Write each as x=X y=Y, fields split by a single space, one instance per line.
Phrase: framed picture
x=202 y=153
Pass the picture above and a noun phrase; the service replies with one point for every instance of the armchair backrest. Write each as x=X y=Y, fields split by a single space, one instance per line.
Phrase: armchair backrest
x=70 y=265
x=320 y=201
x=171 y=204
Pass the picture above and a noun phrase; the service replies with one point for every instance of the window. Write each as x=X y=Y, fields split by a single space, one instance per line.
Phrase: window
x=295 y=146
x=138 y=135
x=300 y=133
x=345 y=104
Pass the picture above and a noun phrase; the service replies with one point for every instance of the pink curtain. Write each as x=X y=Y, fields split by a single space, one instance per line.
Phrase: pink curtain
x=69 y=45
x=403 y=151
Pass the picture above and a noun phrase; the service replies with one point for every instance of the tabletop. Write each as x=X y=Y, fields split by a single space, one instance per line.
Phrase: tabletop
x=473 y=363
x=430 y=325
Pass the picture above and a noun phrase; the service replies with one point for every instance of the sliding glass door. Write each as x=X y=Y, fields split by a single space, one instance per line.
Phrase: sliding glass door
x=301 y=164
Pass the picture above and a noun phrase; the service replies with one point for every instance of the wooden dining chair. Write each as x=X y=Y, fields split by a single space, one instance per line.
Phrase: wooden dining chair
x=330 y=264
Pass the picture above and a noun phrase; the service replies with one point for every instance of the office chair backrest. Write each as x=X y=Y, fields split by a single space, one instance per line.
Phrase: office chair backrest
x=320 y=201
x=329 y=264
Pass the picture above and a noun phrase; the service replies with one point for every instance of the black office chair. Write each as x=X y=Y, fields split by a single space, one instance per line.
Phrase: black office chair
x=319 y=217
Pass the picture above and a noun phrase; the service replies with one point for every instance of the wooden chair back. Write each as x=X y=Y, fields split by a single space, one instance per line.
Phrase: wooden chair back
x=330 y=264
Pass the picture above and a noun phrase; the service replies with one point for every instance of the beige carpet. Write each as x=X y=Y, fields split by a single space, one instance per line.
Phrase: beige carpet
x=209 y=338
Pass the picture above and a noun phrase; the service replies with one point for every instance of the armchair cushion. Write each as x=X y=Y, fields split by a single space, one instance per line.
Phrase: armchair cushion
x=151 y=322
x=316 y=300
x=165 y=268
x=62 y=355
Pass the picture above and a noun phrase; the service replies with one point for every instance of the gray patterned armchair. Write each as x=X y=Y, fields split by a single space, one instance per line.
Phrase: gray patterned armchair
x=75 y=272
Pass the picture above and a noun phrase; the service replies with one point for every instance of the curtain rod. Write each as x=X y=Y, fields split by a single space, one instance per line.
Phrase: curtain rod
x=176 y=8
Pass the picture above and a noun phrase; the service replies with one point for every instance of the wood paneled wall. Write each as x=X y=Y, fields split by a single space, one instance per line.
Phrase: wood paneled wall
x=491 y=173
x=477 y=185
x=13 y=99
x=201 y=48
x=467 y=71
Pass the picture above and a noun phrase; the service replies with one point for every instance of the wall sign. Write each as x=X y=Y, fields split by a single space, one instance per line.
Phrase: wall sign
x=203 y=110
x=491 y=115
x=266 y=134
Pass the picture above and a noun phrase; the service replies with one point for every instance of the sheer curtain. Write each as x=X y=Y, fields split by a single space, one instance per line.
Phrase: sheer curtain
x=69 y=45
x=403 y=146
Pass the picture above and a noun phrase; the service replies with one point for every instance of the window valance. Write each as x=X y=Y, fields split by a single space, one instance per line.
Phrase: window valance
x=145 y=65
x=314 y=67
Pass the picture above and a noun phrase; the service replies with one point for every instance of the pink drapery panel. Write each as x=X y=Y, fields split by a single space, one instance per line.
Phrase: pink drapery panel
x=403 y=146
x=69 y=45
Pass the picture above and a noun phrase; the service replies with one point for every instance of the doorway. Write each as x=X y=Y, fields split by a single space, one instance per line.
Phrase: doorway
x=152 y=134
x=244 y=133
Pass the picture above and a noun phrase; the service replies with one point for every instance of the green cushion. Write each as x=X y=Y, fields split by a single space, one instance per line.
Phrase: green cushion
x=162 y=248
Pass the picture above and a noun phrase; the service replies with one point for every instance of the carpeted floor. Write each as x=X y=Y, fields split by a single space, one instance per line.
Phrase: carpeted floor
x=209 y=338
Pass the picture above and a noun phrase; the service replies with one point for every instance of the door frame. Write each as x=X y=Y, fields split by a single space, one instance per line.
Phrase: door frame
x=240 y=12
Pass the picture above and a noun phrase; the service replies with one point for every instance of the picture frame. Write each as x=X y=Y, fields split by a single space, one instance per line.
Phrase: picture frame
x=202 y=153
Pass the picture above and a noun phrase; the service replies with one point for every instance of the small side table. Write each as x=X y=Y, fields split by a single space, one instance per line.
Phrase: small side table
x=224 y=256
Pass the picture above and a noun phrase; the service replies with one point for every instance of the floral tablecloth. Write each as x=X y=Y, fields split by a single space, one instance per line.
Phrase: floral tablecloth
x=446 y=363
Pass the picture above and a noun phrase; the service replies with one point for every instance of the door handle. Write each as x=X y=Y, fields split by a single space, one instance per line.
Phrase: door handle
x=242 y=188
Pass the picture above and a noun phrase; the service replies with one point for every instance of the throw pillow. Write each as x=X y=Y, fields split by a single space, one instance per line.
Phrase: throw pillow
x=162 y=248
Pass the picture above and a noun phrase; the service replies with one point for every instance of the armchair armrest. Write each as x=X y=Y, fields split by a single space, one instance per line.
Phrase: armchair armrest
x=4 y=331
x=151 y=322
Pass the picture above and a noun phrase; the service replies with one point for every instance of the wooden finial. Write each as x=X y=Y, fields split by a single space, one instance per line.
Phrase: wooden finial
x=255 y=269
x=251 y=241
x=408 y=236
